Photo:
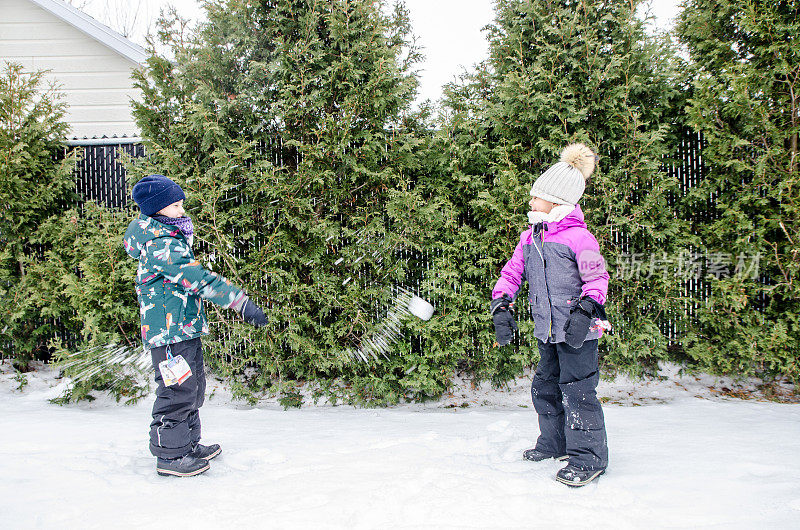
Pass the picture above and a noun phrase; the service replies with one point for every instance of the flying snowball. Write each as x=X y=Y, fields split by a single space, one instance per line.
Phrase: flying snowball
x=420 y=308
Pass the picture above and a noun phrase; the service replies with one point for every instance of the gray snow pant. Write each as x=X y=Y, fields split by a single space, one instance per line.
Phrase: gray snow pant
x=176 y=421
x=570 y=416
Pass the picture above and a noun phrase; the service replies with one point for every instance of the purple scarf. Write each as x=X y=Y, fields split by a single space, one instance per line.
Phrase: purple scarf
x=184 y=224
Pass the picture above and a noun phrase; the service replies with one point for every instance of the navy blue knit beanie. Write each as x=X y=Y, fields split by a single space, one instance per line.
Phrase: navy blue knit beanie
x=155 y=192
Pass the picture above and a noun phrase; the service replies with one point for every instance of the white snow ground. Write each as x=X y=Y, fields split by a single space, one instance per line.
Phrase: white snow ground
x=688 y=458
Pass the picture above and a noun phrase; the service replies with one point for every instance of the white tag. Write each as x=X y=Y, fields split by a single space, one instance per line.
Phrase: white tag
x=174 y=370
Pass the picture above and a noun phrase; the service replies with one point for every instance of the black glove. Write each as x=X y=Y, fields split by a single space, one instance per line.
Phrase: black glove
x=580 y=318
x=252 y=314
x=503 y=317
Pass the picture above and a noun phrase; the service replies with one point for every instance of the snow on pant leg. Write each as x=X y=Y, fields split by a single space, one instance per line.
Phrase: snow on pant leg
x=585 y=430
x=169 y=430
x=546 y=397
x=198 y=368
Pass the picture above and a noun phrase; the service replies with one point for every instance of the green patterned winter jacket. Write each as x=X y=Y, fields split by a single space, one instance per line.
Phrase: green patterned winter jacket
x=170 y=283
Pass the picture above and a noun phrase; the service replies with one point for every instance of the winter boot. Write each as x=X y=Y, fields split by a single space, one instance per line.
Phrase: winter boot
x=186 y=466
x=206 y=452
x=575 y=476
x=534 y=455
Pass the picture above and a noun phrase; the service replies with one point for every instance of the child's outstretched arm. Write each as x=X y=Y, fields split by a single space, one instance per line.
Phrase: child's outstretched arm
x=174 y=261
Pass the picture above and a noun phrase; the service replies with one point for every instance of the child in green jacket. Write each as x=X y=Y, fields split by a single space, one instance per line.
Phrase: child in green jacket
x=169 y=284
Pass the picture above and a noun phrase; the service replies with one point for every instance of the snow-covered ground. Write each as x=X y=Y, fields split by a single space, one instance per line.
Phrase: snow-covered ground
x=689 y=457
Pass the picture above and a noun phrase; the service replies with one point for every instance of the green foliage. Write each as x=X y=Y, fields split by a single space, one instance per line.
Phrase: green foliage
x=291 y=400
x=82 y=279
x=562 y=72
x=33 y=188
x=85 y=279
x=288 y=125
x=85 y=275
x=22 y=380
x=117 y=380
x=314 y=186
x=745 y=102
x=57 y=264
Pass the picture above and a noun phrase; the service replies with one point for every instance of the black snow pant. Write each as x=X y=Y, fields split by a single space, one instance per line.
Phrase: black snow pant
x=176 y=421
x=570 y=416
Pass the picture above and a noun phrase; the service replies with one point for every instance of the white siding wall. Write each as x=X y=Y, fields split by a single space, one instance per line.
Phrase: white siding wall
x=94 y=78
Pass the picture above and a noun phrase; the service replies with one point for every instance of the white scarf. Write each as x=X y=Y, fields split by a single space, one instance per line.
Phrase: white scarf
x=558 y=212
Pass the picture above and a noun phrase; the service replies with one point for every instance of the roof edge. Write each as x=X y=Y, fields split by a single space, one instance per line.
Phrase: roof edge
x=100 y=32
x=114 y=140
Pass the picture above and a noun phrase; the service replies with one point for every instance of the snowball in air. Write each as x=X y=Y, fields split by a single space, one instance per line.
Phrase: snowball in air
x=420 y=308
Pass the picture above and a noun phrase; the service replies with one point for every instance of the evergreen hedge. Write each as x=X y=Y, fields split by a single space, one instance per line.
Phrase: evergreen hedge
x=314 y=185
x=288 y=124
x=61 y=265
x=746 y=103
x=562 y=72
x=34 y=187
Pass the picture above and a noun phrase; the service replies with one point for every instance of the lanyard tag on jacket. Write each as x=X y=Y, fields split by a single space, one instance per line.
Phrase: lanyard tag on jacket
x=174 y=369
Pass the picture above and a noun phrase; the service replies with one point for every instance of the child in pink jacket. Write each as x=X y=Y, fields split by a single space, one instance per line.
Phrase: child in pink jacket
x=568 y=282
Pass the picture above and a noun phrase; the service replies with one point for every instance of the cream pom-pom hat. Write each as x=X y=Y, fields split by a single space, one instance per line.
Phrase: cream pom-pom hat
x=565 y=181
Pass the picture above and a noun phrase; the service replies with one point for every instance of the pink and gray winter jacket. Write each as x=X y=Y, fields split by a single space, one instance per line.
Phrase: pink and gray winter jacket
x=561 y=262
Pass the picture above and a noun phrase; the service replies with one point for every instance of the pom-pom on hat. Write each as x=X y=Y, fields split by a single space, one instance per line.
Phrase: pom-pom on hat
x=155 y=192
x=565 y=181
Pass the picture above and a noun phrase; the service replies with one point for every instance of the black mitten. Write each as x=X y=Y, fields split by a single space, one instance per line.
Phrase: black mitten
x=502 y=310
x=580 y=318
x=252 y=314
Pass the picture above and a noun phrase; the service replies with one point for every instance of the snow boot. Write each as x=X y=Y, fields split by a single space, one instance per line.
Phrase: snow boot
x=575 y=476
x=206 y=452
x=186 y=466
x=534 y=455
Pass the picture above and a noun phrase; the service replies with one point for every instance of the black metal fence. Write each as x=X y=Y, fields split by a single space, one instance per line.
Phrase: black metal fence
x=100 y=176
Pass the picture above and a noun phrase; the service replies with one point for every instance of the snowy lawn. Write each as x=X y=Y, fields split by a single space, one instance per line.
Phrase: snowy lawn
x=688 y=458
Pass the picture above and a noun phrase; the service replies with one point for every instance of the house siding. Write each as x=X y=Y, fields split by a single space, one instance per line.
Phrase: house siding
x=94 y=79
